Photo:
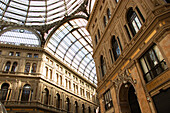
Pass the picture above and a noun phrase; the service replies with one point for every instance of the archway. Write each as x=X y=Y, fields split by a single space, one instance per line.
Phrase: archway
x=76 y=107
x=128 y=99
x=68 y=105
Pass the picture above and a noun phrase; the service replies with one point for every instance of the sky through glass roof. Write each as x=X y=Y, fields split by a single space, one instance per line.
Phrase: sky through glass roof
x=70 y=42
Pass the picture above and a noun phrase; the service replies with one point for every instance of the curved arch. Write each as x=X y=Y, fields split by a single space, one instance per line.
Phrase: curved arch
x=4 y=91
x=87 y=65
x=115 y=48
x=128 y=99
x=102 y=65
x=58 y=101
x=7 y=66
x=27 y=67
x=24 y=28
x=14 y=66
x=46 y=96
x=10 y=85
x=67 y=104
x=83 y=108
x=94 y=75
x=62 y=23
x=82 y=60
x=72 y=44
x=26 y=92
x=76 y=107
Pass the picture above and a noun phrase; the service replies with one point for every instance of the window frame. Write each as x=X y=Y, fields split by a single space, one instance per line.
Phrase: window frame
x=152 y=69
x=108 y=100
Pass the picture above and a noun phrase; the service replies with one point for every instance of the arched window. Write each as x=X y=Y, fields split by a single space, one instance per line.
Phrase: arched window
x=76 y=89
x=51 y=74
x=133 y=21
x=7 y=66
x=27 y=68
x=108 y=13
x=105 y=21
x=76 y=107
x=26 y=92
x=46 y=72
x=103 y=66
x=98 y=31
x=14 y=67
x=58 y=101
x=66 y=85
x=119 y=43
x=61 y=80
x=115 y=48
x=69 y=84
x=34 y=67
x=89 y=109
x=45 y=96
x=96 y=40
x=83 y=108
x=68 y=104
x=4 y=91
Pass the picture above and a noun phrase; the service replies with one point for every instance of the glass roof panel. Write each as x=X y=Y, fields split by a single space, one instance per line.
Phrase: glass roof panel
x=74 y=48
x=50 y=10
x=71 y=42
x=20 y=37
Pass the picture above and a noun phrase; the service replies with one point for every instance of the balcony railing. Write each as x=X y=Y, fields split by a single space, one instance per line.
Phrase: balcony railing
x=155 y=71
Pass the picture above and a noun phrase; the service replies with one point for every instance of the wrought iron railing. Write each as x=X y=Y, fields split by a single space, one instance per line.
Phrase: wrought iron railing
x=155 y=71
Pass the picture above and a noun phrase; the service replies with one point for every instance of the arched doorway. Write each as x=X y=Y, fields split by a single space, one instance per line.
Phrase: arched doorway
x=128 y=99
x=58 y=101
x=4 y=91
x=68 y=105
x=76 y=107
x=83 y=108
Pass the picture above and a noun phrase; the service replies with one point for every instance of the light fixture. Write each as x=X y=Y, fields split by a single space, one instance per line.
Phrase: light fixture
x=126 y=85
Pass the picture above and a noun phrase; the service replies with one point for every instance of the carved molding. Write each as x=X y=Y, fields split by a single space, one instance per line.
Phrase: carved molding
x=123 y=78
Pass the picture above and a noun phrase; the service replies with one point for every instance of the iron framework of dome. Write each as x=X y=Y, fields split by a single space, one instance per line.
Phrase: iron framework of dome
x=56 y=25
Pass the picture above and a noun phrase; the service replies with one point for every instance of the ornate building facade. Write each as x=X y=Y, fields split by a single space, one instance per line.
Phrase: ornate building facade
x=33 y=81
x=46 y=63
x=131 y=41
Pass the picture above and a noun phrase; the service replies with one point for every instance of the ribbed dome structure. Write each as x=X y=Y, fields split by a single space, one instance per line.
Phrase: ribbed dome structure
x=56 y=25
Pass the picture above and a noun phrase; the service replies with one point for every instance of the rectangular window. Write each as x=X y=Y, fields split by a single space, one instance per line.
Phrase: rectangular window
x=29 y=55
x=152 y=63
x=108 y=100
x=11 y=53
x=17 y=53
x=35 y=55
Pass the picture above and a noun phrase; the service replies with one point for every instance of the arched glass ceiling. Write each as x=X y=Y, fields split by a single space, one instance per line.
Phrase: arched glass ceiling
x=72 y=44
x=20 y=37
x=39 y=12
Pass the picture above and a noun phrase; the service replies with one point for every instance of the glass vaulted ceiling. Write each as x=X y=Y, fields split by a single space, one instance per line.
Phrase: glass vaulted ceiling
x=39 y=12
x=70 y=42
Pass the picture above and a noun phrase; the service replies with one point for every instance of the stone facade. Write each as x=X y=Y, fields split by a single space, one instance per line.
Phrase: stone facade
x=34 y=81
x=131 y=44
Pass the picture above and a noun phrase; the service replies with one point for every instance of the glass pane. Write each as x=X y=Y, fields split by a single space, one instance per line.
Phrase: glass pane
x=158 y=53
x=135 y=26
x=138 y=22
x=144 y=67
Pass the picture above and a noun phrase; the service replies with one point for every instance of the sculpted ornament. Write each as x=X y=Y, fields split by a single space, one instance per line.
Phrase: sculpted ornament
x=123 y=78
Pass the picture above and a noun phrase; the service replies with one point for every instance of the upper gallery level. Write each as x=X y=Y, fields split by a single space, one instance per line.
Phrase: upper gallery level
x=37 y=63
x=120 y=29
